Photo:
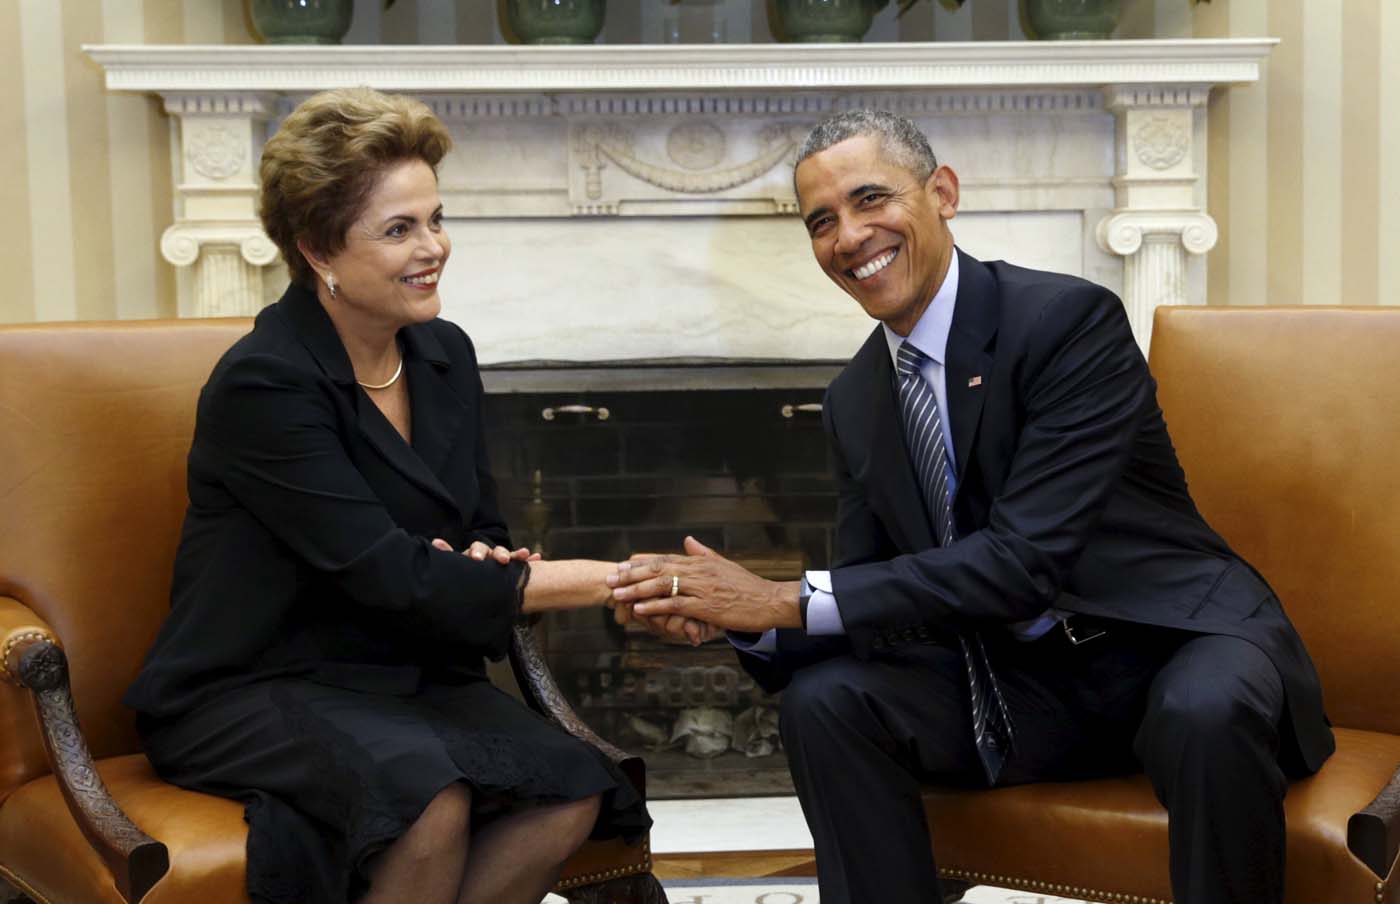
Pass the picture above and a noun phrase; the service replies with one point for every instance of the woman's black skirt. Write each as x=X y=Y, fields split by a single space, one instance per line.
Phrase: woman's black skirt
x=331 y=776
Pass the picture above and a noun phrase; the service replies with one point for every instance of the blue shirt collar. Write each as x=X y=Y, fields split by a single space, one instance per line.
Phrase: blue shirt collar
x=930 y=333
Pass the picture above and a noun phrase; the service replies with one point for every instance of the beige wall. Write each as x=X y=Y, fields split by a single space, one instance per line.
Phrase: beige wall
x=1301 y=163
x=1298 y=165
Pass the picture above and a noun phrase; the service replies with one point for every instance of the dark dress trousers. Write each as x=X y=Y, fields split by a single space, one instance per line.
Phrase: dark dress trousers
x=321 y=661
x=1068 y=495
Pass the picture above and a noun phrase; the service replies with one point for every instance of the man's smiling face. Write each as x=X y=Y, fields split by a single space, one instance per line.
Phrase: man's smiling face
x=876 y=230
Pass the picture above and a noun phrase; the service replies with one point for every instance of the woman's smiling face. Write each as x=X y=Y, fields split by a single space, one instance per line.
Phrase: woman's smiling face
x=394 y=254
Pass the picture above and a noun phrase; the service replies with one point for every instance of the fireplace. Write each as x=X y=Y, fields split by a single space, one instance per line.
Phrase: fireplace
x=603 y=473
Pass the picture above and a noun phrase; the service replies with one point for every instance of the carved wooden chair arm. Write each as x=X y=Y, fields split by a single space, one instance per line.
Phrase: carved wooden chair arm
x=542 y=693
x=1373 y=834
x=33 y=659
x=19 y=626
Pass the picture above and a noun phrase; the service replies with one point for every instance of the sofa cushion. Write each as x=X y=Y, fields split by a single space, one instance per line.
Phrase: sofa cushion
x=206 y=837
x=1049 y=831
x=46 y=853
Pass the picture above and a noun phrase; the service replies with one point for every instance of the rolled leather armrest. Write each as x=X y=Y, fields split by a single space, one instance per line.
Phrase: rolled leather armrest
x=33 y=659
x=1373 y=834
x=542 y=693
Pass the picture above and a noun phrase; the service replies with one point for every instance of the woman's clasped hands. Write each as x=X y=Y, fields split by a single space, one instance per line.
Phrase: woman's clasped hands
x=479 y=551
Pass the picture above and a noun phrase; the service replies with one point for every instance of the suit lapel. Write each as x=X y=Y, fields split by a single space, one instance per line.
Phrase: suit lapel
x=891 y=482
x=968 y=372
x=316 y=331
x=439 y=414
x=381 y=435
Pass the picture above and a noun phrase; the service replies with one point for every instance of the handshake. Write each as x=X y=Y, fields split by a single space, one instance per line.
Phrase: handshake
x=694 y=597
x=685 y=599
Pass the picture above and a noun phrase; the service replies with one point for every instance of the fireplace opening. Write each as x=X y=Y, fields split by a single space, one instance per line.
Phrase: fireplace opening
x=603 y=474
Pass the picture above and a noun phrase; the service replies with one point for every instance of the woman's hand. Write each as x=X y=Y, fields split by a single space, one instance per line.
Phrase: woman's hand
x=670 y=628
x=479 y=551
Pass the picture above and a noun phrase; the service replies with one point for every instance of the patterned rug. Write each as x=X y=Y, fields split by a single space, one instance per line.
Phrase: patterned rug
x=804 y=891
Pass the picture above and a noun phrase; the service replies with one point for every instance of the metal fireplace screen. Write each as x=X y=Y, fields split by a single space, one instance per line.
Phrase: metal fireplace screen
x=603 y=475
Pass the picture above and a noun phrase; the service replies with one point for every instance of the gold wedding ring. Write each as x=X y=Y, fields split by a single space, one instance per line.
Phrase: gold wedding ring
x=675 y=584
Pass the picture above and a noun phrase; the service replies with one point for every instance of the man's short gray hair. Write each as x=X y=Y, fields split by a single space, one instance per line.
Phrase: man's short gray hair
x=901 y=140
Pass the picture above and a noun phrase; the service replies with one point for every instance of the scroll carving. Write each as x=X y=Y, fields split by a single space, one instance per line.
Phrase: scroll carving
x=596 y=145
x=1122 y=232
x=179 y=246
x=182 y=243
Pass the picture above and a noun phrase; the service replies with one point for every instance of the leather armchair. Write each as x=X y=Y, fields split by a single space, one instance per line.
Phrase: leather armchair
x=1287 y=422
x=95 y=422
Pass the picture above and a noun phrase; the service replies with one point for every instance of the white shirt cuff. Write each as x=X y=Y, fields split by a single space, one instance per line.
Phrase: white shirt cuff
x=823 y=616
x=766 y=644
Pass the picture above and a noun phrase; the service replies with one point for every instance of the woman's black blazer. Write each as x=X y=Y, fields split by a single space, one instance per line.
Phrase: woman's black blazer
x=306 y=545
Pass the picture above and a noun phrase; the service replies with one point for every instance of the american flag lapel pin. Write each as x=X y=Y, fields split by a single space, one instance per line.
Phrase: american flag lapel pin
x=973 y=382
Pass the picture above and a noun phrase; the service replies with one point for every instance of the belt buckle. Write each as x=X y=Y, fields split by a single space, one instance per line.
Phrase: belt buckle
x=1077 y=640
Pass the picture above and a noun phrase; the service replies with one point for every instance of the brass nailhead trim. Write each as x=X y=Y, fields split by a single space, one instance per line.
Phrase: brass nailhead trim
x=1090 y=894
x=10 y=645
x=617 y=873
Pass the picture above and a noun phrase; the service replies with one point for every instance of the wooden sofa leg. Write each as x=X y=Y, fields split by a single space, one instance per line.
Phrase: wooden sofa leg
x=639 y=889
x=954 y=889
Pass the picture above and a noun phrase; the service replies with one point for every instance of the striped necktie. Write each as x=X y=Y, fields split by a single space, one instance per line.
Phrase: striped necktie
x=923 y=438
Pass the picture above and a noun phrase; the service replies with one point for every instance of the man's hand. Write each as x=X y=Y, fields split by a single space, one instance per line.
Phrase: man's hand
x=710 y=589
x=670 y=628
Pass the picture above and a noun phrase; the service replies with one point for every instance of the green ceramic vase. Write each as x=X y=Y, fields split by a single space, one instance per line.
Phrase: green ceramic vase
x=301 y=21
x=556 y=21
x=822 y=21
x=1072 y=20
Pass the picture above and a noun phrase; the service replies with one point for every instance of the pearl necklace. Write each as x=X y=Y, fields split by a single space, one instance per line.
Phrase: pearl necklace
x=390 y=382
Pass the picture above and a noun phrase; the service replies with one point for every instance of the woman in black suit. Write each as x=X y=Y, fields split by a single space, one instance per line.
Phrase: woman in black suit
x=343 y=570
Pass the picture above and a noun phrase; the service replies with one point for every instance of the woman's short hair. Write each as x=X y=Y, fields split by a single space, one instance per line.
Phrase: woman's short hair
x=320 y=168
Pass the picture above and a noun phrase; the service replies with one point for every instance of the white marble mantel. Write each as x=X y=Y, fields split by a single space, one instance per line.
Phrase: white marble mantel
x=620 y=202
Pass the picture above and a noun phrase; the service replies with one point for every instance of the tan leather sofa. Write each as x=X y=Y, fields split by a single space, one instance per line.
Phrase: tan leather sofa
x=95 y=422
x=1287 y=421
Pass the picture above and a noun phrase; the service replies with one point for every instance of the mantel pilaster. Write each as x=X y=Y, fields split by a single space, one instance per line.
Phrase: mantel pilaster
x=1159 y=215
x=216 y=229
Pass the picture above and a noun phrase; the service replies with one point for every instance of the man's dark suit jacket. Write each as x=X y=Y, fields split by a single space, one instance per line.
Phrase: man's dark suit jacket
x=1069 y=493
x=306 y=545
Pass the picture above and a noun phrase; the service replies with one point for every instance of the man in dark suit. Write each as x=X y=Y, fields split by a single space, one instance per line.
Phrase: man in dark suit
x=1023 y=589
